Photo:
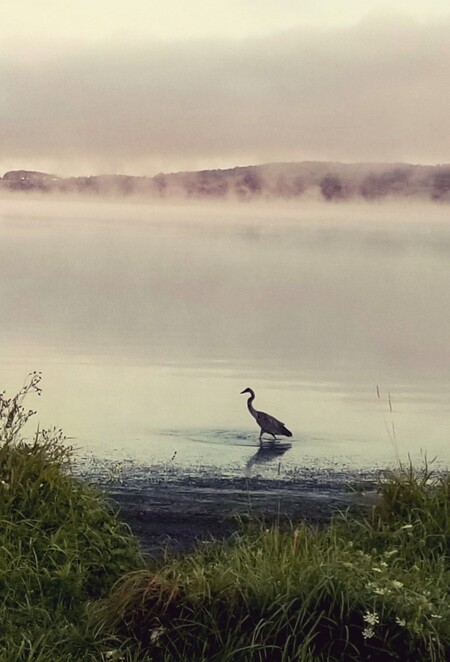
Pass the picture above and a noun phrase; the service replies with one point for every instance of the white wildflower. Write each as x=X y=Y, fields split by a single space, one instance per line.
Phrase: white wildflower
x=383 y=564
x=400 y=621
x=406 y=527
x=371 y=618
x=157 y=634
x=368 y=632
x=397 y=584
x=436 y=616
x=375 y=569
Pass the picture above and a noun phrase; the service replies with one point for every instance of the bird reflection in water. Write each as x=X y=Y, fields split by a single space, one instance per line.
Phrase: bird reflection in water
x=267 y=452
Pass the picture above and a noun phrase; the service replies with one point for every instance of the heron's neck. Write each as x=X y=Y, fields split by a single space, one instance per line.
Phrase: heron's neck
x=250 y=404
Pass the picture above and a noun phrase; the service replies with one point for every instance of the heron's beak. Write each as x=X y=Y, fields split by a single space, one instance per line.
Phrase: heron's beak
x=245 y=391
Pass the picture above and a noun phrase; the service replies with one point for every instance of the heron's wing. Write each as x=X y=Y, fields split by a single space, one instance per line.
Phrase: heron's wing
x=268 y=423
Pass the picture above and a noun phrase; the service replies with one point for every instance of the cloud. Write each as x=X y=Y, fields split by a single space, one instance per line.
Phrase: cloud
x=376 y=91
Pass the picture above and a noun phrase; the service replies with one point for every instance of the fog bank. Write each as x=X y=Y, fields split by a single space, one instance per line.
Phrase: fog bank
x=373 y=91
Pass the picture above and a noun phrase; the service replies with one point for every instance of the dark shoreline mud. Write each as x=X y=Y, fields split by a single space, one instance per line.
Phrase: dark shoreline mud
x=177 y=511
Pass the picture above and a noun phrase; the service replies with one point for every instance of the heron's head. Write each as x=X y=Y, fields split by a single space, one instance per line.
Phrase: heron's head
x=247 y=390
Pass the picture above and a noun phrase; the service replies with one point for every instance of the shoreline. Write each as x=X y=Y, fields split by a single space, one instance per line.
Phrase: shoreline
x=178 y=512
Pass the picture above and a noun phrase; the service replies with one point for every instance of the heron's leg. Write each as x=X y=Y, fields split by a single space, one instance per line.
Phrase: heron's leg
x=274 y=437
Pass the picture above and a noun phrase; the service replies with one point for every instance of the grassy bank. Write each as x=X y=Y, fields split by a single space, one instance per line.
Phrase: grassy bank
x=73 y=585
x=61 y=546
x=371 y=589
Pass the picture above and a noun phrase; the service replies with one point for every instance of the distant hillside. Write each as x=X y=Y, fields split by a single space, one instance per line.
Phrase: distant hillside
x=286 y=181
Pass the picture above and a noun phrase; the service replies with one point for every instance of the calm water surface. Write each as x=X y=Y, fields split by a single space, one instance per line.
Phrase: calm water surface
x=148 y=322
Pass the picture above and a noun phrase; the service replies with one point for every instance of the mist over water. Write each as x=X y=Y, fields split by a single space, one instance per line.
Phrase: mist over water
x=147 y=322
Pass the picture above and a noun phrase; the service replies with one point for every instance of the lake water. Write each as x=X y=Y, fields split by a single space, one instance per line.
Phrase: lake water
x=147 y=322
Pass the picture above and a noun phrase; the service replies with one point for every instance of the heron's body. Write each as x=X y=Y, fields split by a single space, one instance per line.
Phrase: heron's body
x=268 y=424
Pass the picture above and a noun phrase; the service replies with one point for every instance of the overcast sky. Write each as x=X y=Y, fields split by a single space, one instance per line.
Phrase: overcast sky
x=142 y=86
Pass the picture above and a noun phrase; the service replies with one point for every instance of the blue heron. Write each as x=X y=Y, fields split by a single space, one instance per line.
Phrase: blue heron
x=266 y=422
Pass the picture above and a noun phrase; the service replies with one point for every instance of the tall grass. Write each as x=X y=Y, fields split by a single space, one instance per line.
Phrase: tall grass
x=60 y=544
x=411 y=514
x=363 y=588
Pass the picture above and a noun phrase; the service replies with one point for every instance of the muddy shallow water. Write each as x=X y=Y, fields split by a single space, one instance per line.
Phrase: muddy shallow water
x=176 y=508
